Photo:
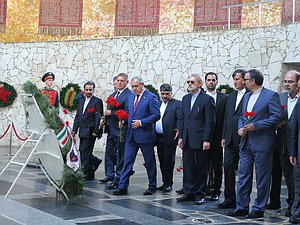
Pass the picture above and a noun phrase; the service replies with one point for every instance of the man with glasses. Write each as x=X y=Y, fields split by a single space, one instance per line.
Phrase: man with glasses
x=195 y=139
x=167 y=135
x=87 y=119
x=261 y=112
x=281 y=161
x=143 y=111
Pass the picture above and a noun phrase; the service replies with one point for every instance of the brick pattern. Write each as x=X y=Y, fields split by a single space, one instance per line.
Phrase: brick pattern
x=60 y=17
x=136 y=17
x=212 y=14
x=287 y=11
x=3 y=7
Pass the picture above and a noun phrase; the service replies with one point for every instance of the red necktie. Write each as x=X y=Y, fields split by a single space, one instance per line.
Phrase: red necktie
x=136 y=102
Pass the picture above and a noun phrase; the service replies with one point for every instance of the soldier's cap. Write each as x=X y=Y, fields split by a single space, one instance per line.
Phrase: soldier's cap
x=48 y=75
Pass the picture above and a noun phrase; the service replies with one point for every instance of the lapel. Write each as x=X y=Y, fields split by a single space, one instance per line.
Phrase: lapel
x=284 y=101
x=167 y=109
x=195 y=103
x=292 y=115
x=234 y=102
x=140 y=102
x=259 y=100
x=88 y=106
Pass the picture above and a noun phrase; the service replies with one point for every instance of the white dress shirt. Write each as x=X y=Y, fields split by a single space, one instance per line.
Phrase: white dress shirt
x=239 y=97
x=291 y=102
x=213 y=94
x=86 y=102
x=253 y=98
x=194 y=97
x=159 y=126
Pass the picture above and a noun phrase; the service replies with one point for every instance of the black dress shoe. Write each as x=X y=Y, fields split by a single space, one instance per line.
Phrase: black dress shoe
x=160 y=188
x=214 y=197
x=106 y=179
x=97 y=164
x=131 y=172
x=238 y=212
x=200 y=201
x=112 y=186
x=120 y=191
x=186 y=198
x=255 y=214
x=294 y=219
x=167 y=189
x=149 y=191
x=287 y=213
x=226 y=205
x=273 y=206
x=180 y=191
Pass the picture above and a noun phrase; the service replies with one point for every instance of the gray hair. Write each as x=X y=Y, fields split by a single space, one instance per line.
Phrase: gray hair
x=140 y=79
x=197 y=76
x=296 y=73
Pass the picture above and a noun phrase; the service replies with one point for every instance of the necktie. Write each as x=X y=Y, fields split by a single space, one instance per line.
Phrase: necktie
x=136 y=102
x=118 y=93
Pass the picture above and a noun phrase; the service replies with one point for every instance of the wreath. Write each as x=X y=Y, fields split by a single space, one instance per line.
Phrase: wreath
x=72 y=180
x=68 y=95
x=225 y=88
x=7 y=94
x=152 y=89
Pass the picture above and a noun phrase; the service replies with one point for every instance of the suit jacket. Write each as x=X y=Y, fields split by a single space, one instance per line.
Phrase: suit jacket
x=268 y=114
x=231 y=119
x=283 y=133
x=171 y=121
x=148 y=112
x=112 y=122
x=88 y=121
x=294 y=149
x=198 y=122
x=220 y=115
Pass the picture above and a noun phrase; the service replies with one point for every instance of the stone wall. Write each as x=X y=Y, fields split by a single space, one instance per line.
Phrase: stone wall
x=163 y=58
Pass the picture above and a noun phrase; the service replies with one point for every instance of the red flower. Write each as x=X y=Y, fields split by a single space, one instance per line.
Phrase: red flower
x=82 y=92
x=67 y=123
x=91 y=110
x=249 y=114
x=65 y=111
x=179 y=169
x=121 y=114
x=111 y=101
x=283 y=106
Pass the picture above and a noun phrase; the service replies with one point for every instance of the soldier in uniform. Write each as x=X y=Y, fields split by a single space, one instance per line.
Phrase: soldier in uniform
x=48 y=79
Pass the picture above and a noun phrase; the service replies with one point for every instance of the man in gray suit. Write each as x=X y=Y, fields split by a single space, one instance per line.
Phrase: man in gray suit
x=281 y=161
x=261 y=112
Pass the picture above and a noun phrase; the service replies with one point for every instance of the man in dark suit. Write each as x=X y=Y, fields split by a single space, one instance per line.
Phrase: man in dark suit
x=194 y=138
x=231 y=139
x=115 y=148
x=143 y=111
x=89 y=112
x=216 y=151
x=167 y=135
x=294 y=160
x=281 y=161
x=109 y=165
x=261 y=112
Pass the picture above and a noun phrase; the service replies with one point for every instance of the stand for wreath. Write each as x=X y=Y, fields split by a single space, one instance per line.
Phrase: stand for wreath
x=45 y=147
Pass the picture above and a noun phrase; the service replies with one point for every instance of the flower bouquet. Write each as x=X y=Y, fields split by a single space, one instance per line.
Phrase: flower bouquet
x=122 y=116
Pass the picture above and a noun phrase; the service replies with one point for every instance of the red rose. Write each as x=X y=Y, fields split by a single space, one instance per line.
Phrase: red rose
x=67 y=123
x=121 y=114
x=111 y=101
x=247 y=114
x=65 y=111
x=91 y=110
x=283 y=106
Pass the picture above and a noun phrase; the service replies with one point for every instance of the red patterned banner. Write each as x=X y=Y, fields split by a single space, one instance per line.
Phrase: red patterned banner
x=211 y=15
x=287 y=11
x=136 y=17
x=61 y=17
x=3 y=5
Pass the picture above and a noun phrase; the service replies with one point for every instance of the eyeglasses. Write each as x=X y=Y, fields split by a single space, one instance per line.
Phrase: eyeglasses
x=190 y=81
x=246 y=79
x=288 y=81
x=134 y=86
x=88 y=89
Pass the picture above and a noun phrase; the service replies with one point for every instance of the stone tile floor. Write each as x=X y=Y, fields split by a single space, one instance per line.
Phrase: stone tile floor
x=33 y=201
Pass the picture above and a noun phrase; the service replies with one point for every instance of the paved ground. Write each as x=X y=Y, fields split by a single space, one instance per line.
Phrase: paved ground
x=33 y=201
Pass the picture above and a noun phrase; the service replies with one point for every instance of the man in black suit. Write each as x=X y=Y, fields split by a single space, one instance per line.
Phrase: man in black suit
x=167 y=135
x=216 y=151
x=115 y=148
x=281 y=161
x=195 y=138
x=109 y=165
x=89 y=112
x=294 y=160
x=231 y=139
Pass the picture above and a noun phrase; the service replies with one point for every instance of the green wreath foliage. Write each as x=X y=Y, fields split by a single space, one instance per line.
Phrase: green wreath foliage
x=152 y=89
x=225 y=87
x=10 y=98
x=72 y=180
x=67 y=95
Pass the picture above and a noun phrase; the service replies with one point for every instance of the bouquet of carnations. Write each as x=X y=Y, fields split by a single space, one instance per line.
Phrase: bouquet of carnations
x=122 y=116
